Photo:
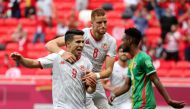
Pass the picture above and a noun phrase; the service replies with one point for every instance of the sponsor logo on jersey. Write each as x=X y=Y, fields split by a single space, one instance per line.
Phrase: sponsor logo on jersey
x=105 y=46
x=87 y=41
x=62 y=62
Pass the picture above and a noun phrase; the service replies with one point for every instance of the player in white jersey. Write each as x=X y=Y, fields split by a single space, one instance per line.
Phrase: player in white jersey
x=68 y=89
x=99 y=47
x=117 y=78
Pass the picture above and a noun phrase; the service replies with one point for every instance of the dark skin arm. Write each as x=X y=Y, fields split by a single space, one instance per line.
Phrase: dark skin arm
x=175 y=104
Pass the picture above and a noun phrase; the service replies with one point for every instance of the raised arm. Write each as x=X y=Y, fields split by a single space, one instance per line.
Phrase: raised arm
x=30 y=63
x=175 y=104
x=54 y=45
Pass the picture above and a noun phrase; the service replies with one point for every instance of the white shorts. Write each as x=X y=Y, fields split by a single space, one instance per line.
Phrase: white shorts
x=97 y=99
x=125 y=105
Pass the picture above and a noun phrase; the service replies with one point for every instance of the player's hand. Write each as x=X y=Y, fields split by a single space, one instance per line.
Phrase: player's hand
x=90 y=82
x=91 y=75
x=176 y=104
x=69 y=57
x=16 y=56
x=110 y=99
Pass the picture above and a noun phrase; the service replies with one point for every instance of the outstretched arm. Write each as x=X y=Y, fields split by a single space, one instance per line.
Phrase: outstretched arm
x=30 y=63
x=175 y=104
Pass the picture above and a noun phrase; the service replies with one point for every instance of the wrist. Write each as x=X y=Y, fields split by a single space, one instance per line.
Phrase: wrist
x=61 y=52
x=97 y=76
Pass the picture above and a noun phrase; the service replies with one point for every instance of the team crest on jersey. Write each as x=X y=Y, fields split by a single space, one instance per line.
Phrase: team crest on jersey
x=87 y=41
x=105 y=46
x=82 y=68
x=62 y=62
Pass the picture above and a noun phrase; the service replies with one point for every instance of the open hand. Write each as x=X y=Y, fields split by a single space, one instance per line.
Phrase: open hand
x=16 y=56
x=69 y=57
x=176 y=104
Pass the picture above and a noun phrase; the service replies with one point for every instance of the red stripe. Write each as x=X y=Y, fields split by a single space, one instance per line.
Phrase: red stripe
x=144 y=94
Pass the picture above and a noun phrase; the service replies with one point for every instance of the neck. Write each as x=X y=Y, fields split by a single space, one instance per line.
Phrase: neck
x=96 y=35
x=122 y=64
x=134 y=51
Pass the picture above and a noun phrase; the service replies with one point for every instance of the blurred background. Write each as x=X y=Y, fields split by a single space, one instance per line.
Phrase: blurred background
x=26 y=25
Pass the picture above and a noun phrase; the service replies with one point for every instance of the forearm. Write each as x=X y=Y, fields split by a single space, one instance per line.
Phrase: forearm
x=121 y=90
x=162 y=90
x=30 y=63
x=105 y=73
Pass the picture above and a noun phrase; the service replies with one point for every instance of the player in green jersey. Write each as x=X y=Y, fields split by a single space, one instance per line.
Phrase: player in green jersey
x=140 y=75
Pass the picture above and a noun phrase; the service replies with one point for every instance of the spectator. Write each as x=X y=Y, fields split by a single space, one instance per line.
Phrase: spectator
x=40 y=31
x=141 y=20
x=160 y=51
x=15 y=8
x=73 y=20
x=172 y=43
x=81 y=4
x=45 y=8
x=20 y=36
x=186 y=38
x=30 y=9
x=61 y=28
x=3 y=9
x=166 y=22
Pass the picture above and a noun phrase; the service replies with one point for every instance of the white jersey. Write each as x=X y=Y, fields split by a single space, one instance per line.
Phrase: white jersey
x=118 y=79
x=97 y=51
x=68 y=91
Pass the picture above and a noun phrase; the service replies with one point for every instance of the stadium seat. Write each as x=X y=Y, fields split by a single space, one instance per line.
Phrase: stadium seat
x=183 y=64
x=11 y=22
x=45 y=72
x=167 y=64
x=163 y=73
x=12 y=47
x=176 y=73
x=27 y=71
x=187 y=73
x=153 y=31
x=37 y=47
x=3 y=70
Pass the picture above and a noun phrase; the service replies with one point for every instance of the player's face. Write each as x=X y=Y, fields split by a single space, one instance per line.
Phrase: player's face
x=122 y=55
x=99 y=24
x=127 y=41
x=76 y=46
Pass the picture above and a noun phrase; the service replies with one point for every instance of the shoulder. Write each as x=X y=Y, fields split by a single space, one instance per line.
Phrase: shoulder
x=109 y=37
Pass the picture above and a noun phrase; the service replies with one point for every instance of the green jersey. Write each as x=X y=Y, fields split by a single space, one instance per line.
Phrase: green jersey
x=139 y=68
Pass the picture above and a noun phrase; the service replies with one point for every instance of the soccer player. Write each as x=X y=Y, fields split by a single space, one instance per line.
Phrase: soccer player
x=117 y=78
x=69 y=91
x=140 y=75
x=99 y=47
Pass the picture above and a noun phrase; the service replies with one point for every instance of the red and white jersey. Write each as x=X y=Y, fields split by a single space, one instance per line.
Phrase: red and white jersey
x=97 y=51
x=68 y=91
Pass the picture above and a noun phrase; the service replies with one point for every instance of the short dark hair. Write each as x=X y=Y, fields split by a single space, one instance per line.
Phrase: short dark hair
x=125 y=49
x=97 y=12
x=70 y=33
x=135 y=34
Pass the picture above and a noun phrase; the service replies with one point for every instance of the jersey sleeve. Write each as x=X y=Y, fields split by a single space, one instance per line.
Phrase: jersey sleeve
x=147 y=65
x=112 y=49
x=47 y=62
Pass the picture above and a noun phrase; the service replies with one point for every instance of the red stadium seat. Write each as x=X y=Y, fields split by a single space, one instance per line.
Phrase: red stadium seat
x=167 y=64
x=11 y=22
x=176 y=73
x=153 y=31
x=12 y=47
x=27 y=71
x=183 y=65
x=37 y=47
x=43 y=72
x=163 y=73
x=187 y=73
